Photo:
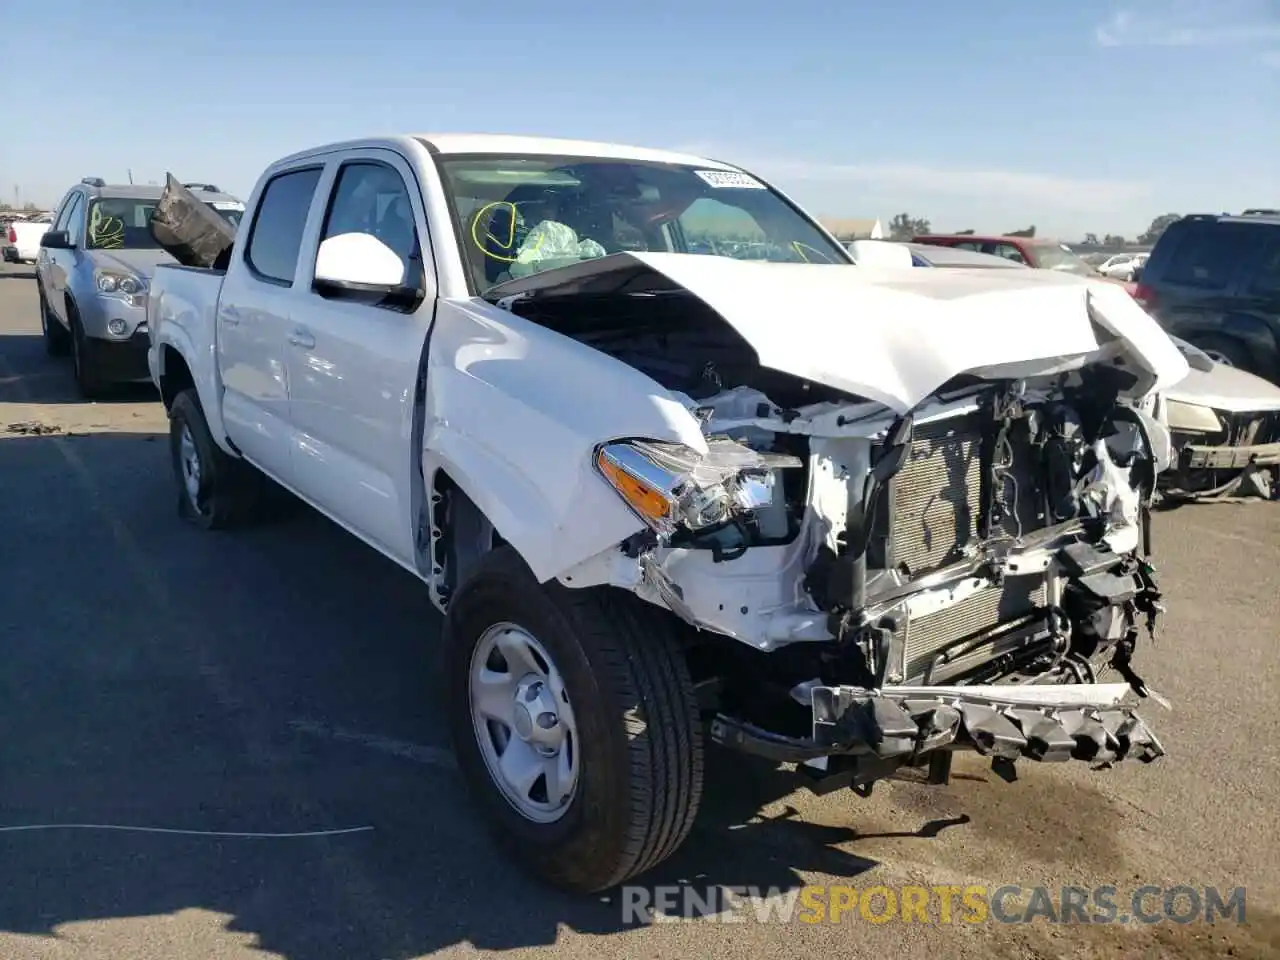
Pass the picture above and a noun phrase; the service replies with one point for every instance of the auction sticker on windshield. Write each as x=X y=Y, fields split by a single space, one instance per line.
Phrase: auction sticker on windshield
x=728 y=178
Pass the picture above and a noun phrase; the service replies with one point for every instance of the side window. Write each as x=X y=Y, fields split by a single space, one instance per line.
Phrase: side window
x=1008 y=251
x=276 y=236
x=60 y=221
x=969 y=245
x=371 y=197
x=1266 y=282
x=1206 y=257
x=75 y=221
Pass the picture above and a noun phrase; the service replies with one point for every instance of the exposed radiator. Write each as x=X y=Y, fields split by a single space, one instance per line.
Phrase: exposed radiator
x=924 y=636
x=936 y=506
x=936 y=498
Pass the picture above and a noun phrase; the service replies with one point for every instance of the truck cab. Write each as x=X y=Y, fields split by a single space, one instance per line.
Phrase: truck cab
x=675 y=468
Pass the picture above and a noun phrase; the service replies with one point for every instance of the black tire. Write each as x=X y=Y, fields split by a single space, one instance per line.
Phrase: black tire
x=57 y=342
x=639 y=732
x=89 y=380
x=1227 y=350
x=229 y=490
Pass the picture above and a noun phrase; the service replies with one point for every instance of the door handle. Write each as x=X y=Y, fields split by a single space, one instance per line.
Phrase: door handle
x=301 y=337
x=230 y=316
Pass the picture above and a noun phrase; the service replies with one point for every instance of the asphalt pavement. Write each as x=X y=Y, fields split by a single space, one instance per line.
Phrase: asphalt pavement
x=230 y=745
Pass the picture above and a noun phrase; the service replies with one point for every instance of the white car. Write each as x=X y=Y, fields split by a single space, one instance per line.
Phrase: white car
x=1225 y=424
x=1122 y=265
x=820 y=513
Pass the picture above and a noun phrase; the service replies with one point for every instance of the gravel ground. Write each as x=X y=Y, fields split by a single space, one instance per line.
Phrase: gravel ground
x=282 y=680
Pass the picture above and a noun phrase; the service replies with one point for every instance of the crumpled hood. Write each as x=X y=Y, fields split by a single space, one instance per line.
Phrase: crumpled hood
x=893 y=335
x=140 y=262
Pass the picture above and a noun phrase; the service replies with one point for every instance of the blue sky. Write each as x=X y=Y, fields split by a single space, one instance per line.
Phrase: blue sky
x=1081 y=116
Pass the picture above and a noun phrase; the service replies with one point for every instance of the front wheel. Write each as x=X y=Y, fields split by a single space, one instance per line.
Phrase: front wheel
x=574 y=722
x=89 y=380
x=56 y=339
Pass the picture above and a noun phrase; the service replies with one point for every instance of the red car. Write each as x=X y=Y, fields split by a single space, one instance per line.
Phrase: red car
x=1038 y=252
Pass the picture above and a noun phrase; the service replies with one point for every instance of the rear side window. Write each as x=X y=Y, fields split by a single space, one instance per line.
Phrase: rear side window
x=276 y=236
x=1266 y=280
x=1206 y=255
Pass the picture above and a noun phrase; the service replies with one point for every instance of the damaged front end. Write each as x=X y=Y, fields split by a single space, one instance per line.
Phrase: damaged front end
x=872 y=588
x=928 y=571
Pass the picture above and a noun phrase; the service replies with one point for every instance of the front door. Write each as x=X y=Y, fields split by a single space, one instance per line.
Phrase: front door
x=353 y=367
x=54 y=266
x=255 y=312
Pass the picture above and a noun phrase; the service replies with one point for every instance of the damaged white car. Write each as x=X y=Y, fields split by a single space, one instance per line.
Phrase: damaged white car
x=675 y=468
x=1225 y=425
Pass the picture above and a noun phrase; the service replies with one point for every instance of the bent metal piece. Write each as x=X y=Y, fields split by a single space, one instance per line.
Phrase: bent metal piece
x=189 y=230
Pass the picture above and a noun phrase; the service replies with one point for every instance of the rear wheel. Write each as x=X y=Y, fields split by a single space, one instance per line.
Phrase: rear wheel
x=574 y=722
x=1227 y=351
x=215 y=490
x=56 y=339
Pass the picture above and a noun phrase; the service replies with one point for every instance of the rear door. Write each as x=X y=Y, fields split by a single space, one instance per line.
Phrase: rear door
x=353 y=366
x=259 y=298
x=1257 y=300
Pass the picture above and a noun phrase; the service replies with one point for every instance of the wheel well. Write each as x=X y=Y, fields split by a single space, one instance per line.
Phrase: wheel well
x=176 y=377
x=460 y=535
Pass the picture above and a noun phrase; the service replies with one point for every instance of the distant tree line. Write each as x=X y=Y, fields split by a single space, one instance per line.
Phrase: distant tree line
x=904 y=226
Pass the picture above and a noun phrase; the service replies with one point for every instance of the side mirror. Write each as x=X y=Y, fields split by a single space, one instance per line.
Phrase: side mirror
x=56 y=240
x=359 y=266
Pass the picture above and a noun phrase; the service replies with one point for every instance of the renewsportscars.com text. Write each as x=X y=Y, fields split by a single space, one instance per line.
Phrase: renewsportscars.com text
x=909 y=903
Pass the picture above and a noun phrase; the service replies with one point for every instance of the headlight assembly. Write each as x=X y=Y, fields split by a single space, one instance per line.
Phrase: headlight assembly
x=671 y=487
x=122 y=284
x=1191 y=418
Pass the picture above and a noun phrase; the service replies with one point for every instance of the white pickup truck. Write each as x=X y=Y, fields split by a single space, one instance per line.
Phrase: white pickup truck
x=22 y=239
x=675 y=467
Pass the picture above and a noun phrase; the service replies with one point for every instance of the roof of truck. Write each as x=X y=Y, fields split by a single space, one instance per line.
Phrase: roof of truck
x=455 y=143
x=452 y=144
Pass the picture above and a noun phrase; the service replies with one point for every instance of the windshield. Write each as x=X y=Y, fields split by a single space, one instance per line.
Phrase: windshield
x=520 y=215
x=123 y=223
x=1058 y=256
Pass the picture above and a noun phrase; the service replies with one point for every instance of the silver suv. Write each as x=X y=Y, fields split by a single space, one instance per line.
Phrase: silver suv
x=94 y=268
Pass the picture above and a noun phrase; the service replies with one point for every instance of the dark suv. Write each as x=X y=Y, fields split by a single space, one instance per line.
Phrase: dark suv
x=1215 y=281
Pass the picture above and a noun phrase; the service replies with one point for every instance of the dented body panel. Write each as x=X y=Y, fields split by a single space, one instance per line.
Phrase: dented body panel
x=895 y=336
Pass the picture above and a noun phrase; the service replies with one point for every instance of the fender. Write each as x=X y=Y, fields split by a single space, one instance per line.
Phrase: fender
x=513 y=414
x=175 y=322
x=1259 y=335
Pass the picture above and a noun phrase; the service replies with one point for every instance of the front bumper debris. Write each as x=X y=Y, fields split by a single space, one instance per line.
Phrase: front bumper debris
x=1197 y=457
x=901 y=725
